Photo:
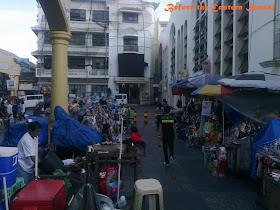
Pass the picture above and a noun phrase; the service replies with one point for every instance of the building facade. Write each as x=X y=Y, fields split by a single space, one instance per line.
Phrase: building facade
x=110 y=50
x=9 y=65
x=234 y=39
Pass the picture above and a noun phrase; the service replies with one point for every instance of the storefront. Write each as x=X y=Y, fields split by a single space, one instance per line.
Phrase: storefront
x=137 y=89
x=132 y=91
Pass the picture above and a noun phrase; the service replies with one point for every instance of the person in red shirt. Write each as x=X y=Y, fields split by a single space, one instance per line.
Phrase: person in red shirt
x=135 y=136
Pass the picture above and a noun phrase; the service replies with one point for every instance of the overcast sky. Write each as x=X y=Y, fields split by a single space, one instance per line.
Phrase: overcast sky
x=18 y=16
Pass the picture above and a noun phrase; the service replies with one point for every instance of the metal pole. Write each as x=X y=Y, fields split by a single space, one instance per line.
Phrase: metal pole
x=223 y=123
x=5 y=192
x=8 y=125
x=120 y=157
x=36 y=158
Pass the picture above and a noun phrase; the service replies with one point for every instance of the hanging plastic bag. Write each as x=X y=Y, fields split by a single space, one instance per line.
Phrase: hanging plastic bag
x=108 y=180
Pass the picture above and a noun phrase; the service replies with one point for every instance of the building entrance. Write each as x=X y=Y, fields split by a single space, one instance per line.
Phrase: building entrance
x=132 y=91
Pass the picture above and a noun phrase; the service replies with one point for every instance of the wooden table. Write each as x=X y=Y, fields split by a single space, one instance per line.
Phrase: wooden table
x=111 y=157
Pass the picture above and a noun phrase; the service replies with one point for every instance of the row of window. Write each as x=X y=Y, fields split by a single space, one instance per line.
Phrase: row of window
x=101 y=16
x=79 y=62
x=98 y=39
x=80 y=90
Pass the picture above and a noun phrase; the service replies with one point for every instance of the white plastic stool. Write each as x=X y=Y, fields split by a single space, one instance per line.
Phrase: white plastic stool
x=150 y=187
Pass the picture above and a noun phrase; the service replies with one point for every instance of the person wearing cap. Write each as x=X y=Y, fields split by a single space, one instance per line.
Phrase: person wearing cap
x=26 y=152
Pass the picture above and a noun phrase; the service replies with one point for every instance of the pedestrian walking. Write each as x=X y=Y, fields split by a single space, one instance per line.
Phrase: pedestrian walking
x=15 y=109
x=164 y=103
x=22 y=110
x=160 y=113
x=9 y=109
x=4 y=114
x=167 y=133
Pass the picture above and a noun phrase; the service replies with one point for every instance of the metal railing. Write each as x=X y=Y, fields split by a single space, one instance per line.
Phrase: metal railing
x=74 y=73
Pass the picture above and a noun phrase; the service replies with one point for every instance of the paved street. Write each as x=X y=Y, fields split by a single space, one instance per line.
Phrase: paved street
x=187 y=185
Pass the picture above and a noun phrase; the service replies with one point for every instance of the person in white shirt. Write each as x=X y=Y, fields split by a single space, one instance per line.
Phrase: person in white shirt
x=26 y=152
x=9 y=108
x=22 y=110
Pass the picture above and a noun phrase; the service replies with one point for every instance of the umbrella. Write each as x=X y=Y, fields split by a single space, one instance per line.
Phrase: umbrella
x=180 y=83
x=204 y=79
x=213 y=89
x=253 y=80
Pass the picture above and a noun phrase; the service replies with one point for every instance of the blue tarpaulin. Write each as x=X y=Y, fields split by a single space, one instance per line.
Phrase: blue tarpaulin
x=68 y=132
x=266 y=136
x=19 y=129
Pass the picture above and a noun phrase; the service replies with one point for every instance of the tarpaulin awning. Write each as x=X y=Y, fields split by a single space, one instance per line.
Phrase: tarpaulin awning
x=204 y=79
x=258 y=105
x=253 y=80
x=213 y=89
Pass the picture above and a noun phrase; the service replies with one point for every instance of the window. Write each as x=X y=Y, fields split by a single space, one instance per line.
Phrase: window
x=78 y=15
x=76 y=62
x=130 y=17
x=130 y=44
x=48 y=62
x=99 y=63
x=80 y=90
x=78 y=39
x=98 y=39
x=130 y=41
x=118 y=96
x=98 y=89
x=47 y=39
x=100 y=16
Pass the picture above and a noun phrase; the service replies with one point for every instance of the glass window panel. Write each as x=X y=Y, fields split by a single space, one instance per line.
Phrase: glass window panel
x=130 y=17
x=78 y=15
x=78 y=39
x=76 y=62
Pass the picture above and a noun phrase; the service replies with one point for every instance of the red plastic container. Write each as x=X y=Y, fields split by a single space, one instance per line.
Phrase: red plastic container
x=41 y=195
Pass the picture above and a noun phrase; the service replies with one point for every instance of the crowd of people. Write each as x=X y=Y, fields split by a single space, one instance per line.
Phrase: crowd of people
x=11 y=111
x=103 y=116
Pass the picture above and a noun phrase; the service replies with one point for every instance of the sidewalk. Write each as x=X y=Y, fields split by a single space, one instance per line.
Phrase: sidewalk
x=187 y=185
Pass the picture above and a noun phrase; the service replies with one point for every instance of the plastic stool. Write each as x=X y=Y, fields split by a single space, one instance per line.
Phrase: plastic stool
x=150 y=187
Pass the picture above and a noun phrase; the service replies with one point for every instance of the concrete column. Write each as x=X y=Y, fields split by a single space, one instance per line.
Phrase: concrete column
x=59 y=93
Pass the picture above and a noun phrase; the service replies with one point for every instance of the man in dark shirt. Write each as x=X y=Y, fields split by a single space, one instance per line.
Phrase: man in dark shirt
x=167 y=133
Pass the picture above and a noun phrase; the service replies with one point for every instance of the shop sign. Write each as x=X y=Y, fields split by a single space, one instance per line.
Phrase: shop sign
x=206 y=108
x=145 y=96
x=131 y=79
x=25 y=87
x=11 y=84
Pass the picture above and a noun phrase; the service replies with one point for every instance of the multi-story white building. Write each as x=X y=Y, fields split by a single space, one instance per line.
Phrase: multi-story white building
x=111 y=47
x=236 y=40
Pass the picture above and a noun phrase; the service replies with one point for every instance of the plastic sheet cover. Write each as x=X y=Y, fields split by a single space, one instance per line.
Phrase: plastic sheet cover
x=265 y=137
x=68 y=132
x=19 y=129
x=259 y=105
x=85 y=199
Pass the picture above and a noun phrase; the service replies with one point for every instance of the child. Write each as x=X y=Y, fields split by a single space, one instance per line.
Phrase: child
x=135 y=136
